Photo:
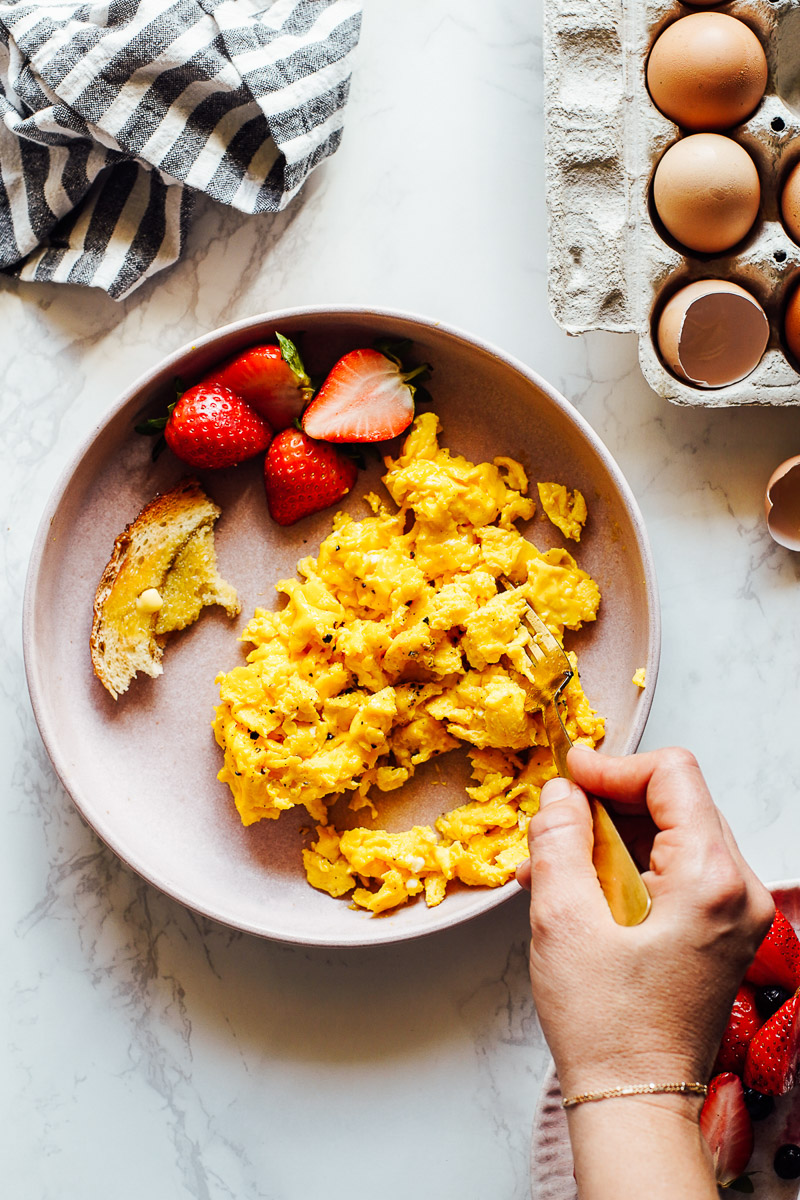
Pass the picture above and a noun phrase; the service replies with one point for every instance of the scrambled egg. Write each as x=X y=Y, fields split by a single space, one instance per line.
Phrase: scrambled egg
x=567 y=510
x=640 y=677
x=395 y=645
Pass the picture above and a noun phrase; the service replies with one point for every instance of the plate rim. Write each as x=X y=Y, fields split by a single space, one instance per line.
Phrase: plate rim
x=485 y=900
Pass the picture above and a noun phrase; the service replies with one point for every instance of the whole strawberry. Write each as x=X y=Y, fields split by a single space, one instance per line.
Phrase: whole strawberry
x=210 y=426
x=303 y=476
x=743 y=1023
x=777 y=960
x=271 y=379
x=771 y=1065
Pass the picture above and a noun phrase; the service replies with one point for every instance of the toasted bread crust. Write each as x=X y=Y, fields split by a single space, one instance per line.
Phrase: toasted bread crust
x=123 y=639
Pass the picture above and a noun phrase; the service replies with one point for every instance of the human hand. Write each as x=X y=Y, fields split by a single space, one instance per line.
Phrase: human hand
x=628 y=1005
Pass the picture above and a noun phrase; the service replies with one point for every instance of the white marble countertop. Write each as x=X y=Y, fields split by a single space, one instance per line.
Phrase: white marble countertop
x=152 y=1053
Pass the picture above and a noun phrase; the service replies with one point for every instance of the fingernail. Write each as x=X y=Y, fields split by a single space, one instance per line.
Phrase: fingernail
x=554 y=789
x=581 y=749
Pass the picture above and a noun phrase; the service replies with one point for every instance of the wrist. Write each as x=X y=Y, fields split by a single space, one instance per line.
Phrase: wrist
x=640 y=1145
x=645 y=1111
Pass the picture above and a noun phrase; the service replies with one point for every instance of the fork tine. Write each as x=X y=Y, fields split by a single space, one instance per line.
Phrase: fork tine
x=550 y=665
x=544 y=638
x=534 y=650
x=544 y=641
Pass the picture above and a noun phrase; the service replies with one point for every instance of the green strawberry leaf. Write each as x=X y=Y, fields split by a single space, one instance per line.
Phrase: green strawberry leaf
x=151 y=426
x=291 y=356
x=154 y=425
x=422 y=395
x=395 y=350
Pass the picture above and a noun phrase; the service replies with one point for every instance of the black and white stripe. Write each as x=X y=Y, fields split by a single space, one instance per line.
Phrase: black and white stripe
x=114 y=113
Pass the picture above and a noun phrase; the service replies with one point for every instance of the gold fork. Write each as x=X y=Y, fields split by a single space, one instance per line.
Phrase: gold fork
x=623 y=886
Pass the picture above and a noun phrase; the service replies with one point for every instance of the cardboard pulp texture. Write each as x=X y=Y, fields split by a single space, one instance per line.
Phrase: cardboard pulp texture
x=609 y=267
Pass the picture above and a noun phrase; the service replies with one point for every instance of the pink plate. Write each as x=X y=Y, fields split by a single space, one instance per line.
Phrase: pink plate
x=142 y=770
x=551 y=1156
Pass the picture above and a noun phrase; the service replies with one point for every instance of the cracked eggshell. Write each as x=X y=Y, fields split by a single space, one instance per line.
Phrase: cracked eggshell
x=712 y=333
x=782 y=504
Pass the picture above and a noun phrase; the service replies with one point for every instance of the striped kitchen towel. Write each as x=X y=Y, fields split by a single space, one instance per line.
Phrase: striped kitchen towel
x=115 y=113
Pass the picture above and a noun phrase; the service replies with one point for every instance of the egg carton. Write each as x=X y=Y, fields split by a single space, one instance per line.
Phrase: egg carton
x=608 y=266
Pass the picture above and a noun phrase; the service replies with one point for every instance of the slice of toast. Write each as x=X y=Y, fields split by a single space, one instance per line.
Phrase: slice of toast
x=163 y=571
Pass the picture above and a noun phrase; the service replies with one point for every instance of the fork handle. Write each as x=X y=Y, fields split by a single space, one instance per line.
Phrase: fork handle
x=622 y=885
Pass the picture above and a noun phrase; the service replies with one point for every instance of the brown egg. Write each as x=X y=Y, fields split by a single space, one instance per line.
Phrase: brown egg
x=791 y=324
x=782 y=504
x=707 y=71
x=712 y=333
x=706 y=191
x=790 y=203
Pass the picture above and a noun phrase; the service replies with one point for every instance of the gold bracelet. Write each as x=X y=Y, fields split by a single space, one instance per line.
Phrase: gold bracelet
x=637 y=1089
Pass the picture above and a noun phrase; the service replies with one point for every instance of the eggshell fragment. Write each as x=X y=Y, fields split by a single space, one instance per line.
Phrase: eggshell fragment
x=712 y=333
x=707 y=71
x=707 y=192
x=782 y=504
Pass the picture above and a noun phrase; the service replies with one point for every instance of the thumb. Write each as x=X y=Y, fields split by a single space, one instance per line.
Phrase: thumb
x=563 y=878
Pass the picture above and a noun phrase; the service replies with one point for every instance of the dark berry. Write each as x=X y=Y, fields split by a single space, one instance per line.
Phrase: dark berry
x=787 y=1161
x=757 y=1104
x=769 y=1000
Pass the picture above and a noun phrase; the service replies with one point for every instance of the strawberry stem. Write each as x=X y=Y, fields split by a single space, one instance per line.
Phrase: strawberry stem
x=395 y=352
x=742 y=1184
x=423 y=371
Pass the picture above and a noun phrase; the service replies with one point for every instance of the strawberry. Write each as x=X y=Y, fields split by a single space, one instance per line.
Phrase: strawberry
x=367 y=397
x=303 y=476
x=271 y=379
x=777 y=959
x=771 y=1063
x=213 y=427
x=743 y=1023
x=725 y=1124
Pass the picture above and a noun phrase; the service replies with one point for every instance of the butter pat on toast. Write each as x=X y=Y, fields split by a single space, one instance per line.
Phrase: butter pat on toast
x=162 y=573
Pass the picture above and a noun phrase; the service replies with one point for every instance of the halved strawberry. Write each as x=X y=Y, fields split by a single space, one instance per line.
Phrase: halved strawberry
x=726 y=1126
x=367 y=397
x=771 y=1064
x=743 y=1023
x=271 y=379
x=302 y=476
x=777 y=959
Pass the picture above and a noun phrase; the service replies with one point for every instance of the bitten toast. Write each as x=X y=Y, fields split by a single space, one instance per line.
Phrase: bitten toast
x=162 y=573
